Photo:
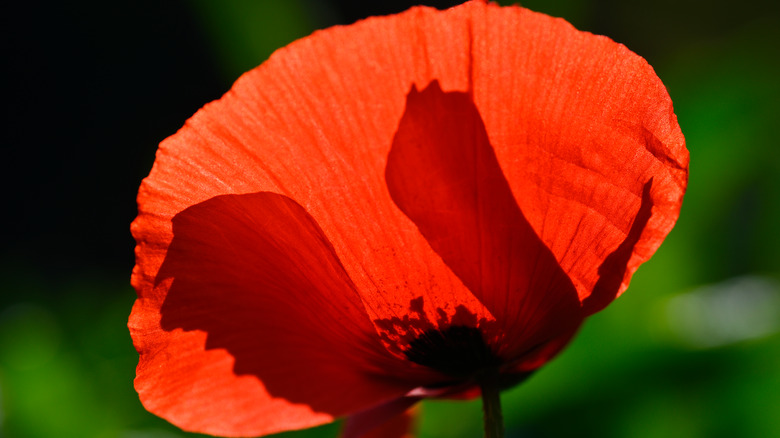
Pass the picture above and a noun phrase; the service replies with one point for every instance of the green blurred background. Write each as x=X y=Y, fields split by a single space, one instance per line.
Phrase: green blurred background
x=90 y=88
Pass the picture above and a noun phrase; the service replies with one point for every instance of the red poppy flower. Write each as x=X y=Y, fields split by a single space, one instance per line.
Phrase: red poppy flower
x=407 y=207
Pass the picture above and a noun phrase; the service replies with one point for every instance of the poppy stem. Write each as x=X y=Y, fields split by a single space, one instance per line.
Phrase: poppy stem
x=491 y=406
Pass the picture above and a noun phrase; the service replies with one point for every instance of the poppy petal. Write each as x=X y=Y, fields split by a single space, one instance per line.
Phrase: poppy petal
x=258 y=329
x=588 y=126
x=390 y=420
x=400 y=426
x=443 y=174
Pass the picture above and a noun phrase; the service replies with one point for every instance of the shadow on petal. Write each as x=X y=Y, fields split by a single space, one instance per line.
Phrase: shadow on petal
x=257 y=274
x=393 y=419
x=443 y=174
x=613 y=268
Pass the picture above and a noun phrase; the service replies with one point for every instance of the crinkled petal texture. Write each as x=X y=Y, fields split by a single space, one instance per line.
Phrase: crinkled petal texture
x=479 y=166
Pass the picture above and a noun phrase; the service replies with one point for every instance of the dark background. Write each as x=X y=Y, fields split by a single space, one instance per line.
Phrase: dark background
x=91 y=88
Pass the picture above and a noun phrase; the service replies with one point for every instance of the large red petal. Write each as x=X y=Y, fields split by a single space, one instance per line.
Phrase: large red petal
x=400 y=426
x=393 y=419
x=587 y=127
x=443 y=174
x=253 y=327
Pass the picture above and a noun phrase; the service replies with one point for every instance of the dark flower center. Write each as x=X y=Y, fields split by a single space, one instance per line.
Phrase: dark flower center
x=457 y=351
